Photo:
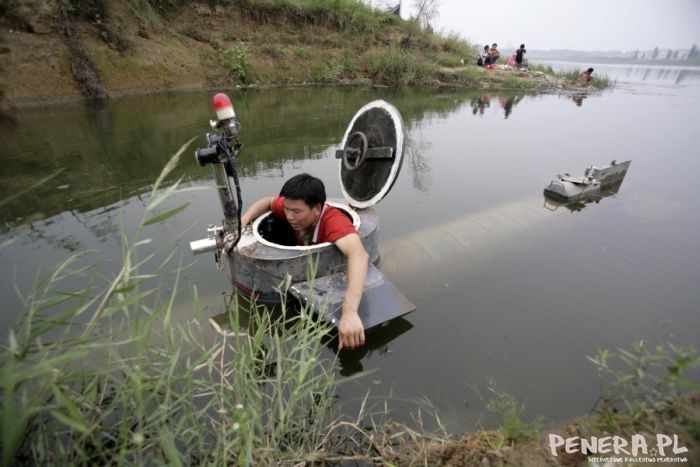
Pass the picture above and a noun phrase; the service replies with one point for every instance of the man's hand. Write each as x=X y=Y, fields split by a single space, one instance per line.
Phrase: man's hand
x=350 y=331
x=350 y=328
x=256 y=209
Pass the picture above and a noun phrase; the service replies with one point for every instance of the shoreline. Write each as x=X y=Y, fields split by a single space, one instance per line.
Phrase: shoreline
x=76 y=99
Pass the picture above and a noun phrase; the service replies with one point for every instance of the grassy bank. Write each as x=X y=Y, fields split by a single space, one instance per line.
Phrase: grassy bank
x=106 y=48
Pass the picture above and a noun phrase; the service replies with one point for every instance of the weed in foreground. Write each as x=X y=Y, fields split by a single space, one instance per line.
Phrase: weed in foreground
x=647 y=380
x=106 y=375
x=512 y=428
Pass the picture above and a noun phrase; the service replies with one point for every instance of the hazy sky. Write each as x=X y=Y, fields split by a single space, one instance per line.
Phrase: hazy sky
x=572 y=24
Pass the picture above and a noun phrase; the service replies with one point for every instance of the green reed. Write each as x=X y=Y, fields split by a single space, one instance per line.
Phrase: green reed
x=104 y=374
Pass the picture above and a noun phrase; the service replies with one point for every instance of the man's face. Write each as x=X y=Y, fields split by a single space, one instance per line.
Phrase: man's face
x=299 y=215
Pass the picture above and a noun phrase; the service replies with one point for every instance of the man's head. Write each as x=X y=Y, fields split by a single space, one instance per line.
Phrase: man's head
x=304 y=197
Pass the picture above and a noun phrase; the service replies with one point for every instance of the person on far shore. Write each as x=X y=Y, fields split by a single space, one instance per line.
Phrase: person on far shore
x=520 y=60
x=585 y=77
x=493 y=55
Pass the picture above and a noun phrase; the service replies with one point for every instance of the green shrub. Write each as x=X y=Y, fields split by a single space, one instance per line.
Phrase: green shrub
x=235 y=62
x=449 y=60
x=398 y=67
x=453 y=44
x=350 y=63
x=642 y=379
x=515 y=82
x=512 y=427
x=322 y=73
x=469 y=76
x=301 y=53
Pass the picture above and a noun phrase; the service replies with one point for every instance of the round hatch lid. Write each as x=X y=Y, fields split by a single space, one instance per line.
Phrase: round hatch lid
x=371 y=155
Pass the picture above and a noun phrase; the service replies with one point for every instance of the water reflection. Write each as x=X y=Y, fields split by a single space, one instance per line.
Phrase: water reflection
x=479 y=104
x=687 y=74
x=419 y=165
x=636 y=73
x=676 y=75
x=376 y=345
x=578 y=98
x=506 y=102
x=113 y=152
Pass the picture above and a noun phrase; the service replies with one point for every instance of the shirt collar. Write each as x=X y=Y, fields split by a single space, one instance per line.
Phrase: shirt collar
x=314 y=239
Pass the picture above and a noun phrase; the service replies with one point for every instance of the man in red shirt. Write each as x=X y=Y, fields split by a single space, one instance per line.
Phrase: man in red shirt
x=302 y=202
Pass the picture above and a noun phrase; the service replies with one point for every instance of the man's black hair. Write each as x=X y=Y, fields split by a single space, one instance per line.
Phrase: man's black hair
x=305 y=187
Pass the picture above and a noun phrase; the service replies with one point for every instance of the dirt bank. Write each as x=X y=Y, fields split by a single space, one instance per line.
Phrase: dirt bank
x=490 y=449
x=51 y=54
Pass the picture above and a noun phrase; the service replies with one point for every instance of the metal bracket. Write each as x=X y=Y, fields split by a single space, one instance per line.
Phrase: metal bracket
x=372 y=153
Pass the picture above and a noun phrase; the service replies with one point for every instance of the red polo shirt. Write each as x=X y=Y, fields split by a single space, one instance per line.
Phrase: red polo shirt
x=331 y=227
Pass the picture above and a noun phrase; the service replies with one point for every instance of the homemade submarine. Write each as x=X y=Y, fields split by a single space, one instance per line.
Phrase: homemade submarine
x=263 y=261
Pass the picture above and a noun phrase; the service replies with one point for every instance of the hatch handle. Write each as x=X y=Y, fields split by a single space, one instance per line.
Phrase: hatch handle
x=359 y=154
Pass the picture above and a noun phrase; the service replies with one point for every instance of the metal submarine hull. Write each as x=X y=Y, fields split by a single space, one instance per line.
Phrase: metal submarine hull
x=266 y=265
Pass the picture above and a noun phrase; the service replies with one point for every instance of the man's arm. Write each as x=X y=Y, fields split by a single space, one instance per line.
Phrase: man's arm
x=256 y=210
x=350 y=328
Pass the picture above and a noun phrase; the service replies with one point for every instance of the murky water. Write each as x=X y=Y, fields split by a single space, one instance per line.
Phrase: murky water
x=509 y=289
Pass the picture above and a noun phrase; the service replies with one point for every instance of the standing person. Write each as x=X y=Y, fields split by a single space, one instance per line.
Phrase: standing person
x=302 y=203
x=520 y=60
x=585 y=77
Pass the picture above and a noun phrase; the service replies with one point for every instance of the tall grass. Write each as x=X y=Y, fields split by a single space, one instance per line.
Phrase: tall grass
x=398 y=67
x=636 y=380
x=105 y=375
x=339 y=14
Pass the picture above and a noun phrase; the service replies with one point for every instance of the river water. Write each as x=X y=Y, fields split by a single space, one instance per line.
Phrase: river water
x=512 y=292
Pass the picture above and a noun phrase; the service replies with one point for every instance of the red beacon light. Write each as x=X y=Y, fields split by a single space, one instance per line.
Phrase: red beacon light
x=223 y=107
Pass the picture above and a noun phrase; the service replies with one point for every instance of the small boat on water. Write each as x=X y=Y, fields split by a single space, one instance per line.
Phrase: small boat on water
x=264 y=261
x=595 y=182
